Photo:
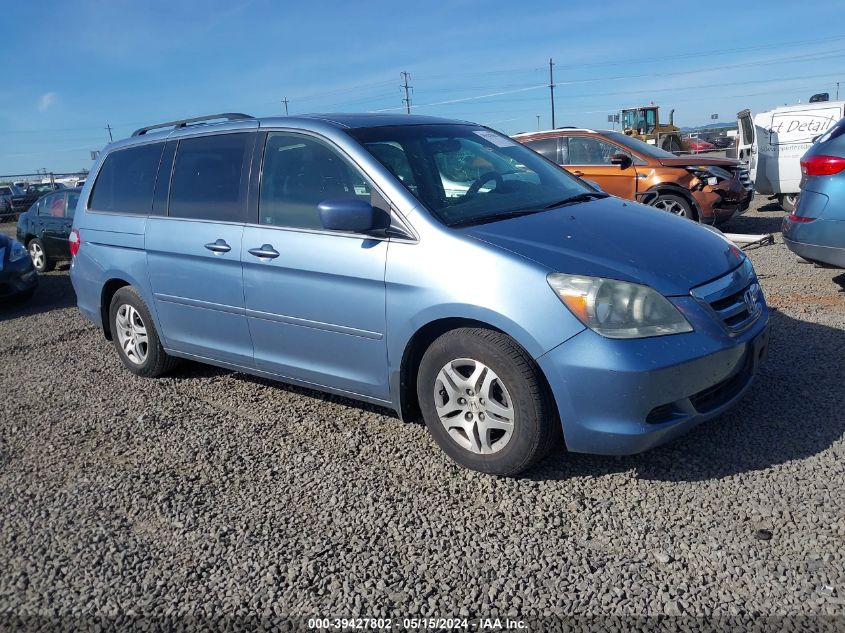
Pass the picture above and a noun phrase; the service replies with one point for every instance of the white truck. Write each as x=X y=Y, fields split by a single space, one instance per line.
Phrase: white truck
x=772 y=143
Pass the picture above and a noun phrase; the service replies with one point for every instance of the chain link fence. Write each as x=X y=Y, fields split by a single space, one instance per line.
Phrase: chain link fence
x=20 y=191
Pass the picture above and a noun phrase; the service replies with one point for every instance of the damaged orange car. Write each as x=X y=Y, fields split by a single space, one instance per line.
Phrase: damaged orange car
x=708 y=190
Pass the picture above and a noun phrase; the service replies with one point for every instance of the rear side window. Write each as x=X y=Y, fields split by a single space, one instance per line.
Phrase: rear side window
x=208 y=182
x=72 y=199
x=545 y=146
x=126 y=180
x=833 y=133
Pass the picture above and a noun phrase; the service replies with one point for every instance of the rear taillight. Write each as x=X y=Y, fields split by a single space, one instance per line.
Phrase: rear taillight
x=798 y=218
x=74 y=242
x=822 y=165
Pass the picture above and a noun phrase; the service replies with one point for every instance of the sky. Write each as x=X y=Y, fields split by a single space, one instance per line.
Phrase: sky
x=73 y=67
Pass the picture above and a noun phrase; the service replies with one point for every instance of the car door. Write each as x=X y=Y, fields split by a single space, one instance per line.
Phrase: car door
x=589 y=157
x=58 y=222
x=315 y=299
x=49 y=219
x=194 y=247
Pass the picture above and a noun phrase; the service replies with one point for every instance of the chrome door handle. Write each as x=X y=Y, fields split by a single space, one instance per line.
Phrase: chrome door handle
x=577 y=173
x=265 y=251
x=220 y=246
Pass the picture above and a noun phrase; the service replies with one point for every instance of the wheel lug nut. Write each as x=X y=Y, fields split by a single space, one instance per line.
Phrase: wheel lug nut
x=462 y=400
x=470 y=392
x=481 y=401
x=468 y=416
x=480 y=416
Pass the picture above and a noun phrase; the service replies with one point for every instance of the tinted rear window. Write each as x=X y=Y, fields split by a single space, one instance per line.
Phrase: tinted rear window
x=207 y=181
x=126 y=180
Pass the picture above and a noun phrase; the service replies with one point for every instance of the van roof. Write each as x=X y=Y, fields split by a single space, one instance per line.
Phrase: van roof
x=233 y=121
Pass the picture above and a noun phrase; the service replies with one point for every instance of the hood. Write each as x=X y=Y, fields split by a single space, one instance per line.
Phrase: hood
x=616 y=239
x=692 y=160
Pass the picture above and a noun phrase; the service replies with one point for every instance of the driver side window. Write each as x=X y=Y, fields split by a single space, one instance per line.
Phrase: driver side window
x=586 y=150
x=299 y=173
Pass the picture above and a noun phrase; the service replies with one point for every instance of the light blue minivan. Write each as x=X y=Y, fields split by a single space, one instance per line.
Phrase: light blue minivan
x=432 y=266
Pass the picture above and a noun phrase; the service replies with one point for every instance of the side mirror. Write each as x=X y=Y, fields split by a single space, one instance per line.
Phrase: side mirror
x=623 y=160
x=352 y=216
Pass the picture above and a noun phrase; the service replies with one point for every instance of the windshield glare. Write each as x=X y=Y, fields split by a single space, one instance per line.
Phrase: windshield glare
x=465 y=173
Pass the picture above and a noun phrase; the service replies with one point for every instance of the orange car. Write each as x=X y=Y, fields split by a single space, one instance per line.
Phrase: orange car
x=706 y=189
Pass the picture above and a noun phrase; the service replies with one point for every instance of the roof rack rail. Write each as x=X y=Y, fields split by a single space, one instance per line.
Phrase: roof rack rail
x=229 y=116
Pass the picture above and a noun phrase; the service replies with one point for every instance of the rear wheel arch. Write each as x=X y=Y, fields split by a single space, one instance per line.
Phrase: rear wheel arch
x=109 y=289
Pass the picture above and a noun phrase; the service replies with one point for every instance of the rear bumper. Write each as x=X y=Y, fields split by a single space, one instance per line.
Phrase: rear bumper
x=829 y=255
x=619 y=397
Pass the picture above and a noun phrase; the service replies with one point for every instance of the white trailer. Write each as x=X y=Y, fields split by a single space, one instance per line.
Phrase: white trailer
x=772 y=143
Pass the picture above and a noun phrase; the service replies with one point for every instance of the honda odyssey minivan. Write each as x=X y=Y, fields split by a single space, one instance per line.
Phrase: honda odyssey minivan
x=432 y=266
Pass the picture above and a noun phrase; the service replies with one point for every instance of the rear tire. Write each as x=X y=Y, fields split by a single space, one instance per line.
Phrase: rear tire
x=38 y=255
x=676 y=205
x=788 y=201
x=135 y=337
x=485 y=403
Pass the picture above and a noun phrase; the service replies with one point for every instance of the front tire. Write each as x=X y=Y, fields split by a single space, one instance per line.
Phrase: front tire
x=135 y=337
x=38 y=255
x=484 y=402
x=676 y=205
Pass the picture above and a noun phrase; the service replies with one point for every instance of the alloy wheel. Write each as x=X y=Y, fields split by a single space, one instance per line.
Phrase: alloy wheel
x=474 y=406
x=36 y=253
x=131 y=334
x=671 y=206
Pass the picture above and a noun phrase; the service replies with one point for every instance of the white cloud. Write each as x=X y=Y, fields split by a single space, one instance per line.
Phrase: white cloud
x=46 y=100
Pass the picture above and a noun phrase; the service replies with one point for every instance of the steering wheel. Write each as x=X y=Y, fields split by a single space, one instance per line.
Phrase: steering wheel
x=475 y=187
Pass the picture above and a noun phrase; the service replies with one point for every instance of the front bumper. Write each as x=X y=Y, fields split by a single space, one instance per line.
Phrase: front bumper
x=719 y=203
x=619 y=397
x=18 y=279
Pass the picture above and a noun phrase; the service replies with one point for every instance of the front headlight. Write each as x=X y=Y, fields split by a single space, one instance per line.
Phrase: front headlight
x=618 y=309
x=705 y=172
x=17 y=251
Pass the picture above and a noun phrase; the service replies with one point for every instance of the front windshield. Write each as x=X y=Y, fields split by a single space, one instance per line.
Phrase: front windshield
x=466 y=173
x=638 y=146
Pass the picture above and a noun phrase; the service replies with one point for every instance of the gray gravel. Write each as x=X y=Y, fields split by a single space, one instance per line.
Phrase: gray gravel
x=211 y=494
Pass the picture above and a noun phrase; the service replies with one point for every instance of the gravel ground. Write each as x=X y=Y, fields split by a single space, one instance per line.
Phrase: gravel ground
x=210 y=495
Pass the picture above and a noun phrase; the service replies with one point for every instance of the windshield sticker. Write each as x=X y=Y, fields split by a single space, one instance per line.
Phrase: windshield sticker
x=498 y=141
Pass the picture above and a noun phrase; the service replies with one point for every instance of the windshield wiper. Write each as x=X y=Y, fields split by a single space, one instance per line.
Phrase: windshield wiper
x=494 y=218
x=581 y=197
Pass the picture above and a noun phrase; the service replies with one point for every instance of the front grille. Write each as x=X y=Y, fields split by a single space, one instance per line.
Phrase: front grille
x=736 y=299
x=744 y=178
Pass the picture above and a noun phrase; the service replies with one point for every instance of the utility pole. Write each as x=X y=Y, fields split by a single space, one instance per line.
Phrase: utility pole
x=285 y=101
x=837 y=91
x=538 y=122
x=108 y=127
x=552 y=89
x=407 y=100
